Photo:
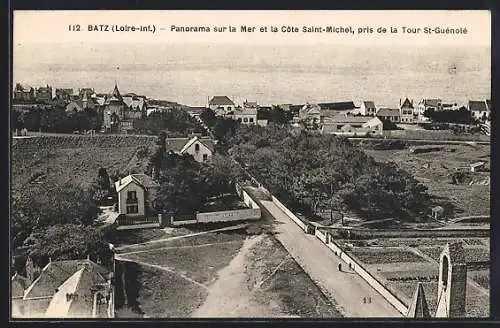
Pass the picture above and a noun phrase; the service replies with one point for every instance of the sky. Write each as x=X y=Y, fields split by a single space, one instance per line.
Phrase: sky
x=34 y=27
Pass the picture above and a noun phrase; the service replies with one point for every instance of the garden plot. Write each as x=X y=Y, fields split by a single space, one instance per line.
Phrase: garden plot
x=472 y=253
x=379 y=255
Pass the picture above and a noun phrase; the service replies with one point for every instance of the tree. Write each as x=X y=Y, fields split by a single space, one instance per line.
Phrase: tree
x=68 y=242
x=103 y=181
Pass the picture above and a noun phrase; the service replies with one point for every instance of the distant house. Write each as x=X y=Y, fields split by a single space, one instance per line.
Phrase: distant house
x=406 y=111
x=134 y=102
x=200 y=148
x=349 y=125
x=310 y=114
x=338 y=106
x=480 y=110
x=24 y=93
x=65 y=289
x=244 y=115
x=43 y=94
x=76 y=106
x=426 y=104
x=389 y=114
x=63 y=94
x=88 y=92
x=368 y=108
x=118 y=117
x=474 y=167
x=250 y=104
x=221 y=105
x=136 y=194
x=437 y=212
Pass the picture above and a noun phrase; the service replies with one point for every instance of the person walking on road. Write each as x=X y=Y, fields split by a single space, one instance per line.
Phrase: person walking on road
x=340 y=266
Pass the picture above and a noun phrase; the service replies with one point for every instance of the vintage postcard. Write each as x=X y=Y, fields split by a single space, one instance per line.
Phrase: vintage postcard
x=250 y=164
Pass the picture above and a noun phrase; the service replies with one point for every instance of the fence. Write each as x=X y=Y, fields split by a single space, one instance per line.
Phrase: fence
x=127 y=220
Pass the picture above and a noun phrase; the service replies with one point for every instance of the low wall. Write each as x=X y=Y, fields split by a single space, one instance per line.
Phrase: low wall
x=234 y=215
x=391 y=233
x=292 y=216
x=185 y=222
x=372 y=281
x=249 y=201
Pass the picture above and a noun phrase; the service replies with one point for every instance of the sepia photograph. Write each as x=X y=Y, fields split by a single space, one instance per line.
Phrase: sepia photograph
x=250 y=164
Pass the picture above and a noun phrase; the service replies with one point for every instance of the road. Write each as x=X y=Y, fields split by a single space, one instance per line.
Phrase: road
x=347 y=288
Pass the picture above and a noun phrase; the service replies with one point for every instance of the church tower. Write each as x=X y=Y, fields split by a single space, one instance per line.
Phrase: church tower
x=452 y=282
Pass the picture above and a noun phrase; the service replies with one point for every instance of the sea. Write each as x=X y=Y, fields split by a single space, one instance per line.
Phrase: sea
x=190 y=74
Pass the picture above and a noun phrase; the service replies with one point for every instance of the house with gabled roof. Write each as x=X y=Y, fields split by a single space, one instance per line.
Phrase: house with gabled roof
x=368 y=108
x=136 y=194
x=65 y=289
x=221 y=105
x=201 y=148
x=480 y=110
x=406 y=111
x=389 y=114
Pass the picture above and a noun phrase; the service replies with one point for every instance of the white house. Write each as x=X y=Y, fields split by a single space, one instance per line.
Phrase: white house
x=389 y=114
x=136 y=193
x=479 y=109
x=426 y=104
x=406 y=111
x=368 y=108
x=245 y=115
x=221 y=105
x=201 y=148
x=349 y=125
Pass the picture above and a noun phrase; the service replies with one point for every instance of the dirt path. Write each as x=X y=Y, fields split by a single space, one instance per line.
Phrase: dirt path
x=229 y=295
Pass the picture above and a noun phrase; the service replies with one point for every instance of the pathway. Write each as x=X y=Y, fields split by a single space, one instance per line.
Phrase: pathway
x=229 y=295
x=320 y=263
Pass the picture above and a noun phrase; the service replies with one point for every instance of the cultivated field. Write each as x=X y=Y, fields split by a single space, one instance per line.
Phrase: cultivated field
x=75 y=158
x=221 y=274
x=434 y=169
x=399 y=263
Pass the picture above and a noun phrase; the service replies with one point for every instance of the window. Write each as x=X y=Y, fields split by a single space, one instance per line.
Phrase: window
x=251 y=119
x=239 y=119
x=132 y=202
x=245 y=120
x=132 y=195
x=229 y=107
x=197 y=147
x=132 y=209
x=205 y=157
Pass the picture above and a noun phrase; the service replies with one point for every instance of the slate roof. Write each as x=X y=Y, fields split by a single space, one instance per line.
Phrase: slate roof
x=477 y=106
x=141 y=179
x=177 y=144
x=56 y=273
x=343 y=105
x=388 y=112
x=221 y=100
x=79 y=284
x=369 y=104
x=431 y=102
x=418 y=307
x=245 y=111
x=407 y=104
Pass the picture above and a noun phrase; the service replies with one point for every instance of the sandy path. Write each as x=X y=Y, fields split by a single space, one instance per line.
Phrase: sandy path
x=229 y=295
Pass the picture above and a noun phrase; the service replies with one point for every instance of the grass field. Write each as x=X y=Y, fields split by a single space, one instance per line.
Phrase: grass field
x=74 y=158
x=433 y=170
